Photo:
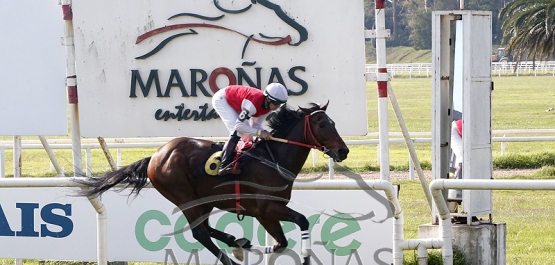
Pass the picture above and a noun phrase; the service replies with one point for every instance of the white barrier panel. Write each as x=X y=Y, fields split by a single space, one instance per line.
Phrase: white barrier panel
x=44 y=223
x=136 y=227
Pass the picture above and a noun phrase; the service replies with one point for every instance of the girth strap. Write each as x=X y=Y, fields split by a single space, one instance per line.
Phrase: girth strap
x=240 y=216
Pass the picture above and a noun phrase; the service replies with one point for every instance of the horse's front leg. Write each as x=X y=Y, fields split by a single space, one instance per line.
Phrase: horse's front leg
x=279 y=212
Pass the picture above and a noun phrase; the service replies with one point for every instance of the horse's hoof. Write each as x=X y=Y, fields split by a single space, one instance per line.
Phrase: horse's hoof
x=238 y=253
x=243 y=243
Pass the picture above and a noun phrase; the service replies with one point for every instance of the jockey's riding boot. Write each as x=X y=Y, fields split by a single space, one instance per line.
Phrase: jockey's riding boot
x=228 y=155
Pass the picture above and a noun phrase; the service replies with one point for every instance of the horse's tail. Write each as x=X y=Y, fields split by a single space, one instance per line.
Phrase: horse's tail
x=134 y=175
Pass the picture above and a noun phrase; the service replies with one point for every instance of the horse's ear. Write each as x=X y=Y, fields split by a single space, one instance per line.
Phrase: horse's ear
x=325 y=106
x=305 y=110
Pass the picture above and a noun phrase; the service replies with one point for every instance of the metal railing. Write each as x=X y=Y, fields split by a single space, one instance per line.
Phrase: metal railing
x=124 y=143
x=497 y=68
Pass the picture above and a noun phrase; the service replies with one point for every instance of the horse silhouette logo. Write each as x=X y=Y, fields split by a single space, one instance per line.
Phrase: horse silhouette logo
x=214 y=22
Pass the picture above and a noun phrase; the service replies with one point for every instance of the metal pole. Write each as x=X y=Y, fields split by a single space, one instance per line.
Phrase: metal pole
x=382 y=78
x=17 y=169
x=51 y=155
x=107 y=153
x=71 y=84
x=17 y=156
x=2 y=165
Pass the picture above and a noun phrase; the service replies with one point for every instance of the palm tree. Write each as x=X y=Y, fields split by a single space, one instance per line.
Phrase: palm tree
x=528 y=29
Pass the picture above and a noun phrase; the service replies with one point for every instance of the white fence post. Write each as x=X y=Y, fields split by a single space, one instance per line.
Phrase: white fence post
x=88 y=163
x=2 y=165
x=503 y=146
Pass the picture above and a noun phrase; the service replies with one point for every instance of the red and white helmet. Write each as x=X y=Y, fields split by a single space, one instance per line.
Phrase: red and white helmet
x=276 y=92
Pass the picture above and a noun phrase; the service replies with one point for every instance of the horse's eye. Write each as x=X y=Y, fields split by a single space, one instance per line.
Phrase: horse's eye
x=321 y=124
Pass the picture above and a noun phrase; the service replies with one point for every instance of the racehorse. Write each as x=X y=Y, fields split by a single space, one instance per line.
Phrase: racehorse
x=177 y=171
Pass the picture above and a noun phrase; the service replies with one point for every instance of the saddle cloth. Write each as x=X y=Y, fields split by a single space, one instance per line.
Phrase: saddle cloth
x=213 y=162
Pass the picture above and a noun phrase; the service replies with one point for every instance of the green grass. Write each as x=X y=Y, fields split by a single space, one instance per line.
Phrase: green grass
x=400 y=55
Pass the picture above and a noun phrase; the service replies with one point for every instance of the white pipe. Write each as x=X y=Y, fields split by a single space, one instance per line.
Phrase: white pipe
x=38 y=182
x=491 y=184
x=422 y=246
x=422 y=255
x=101 y=230
x=447 y=236
x=398 y=238
x=428 y=243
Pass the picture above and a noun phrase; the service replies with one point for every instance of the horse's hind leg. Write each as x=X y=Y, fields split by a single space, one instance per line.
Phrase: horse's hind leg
x=201 y=234
x=236 y=244
x=230 y=240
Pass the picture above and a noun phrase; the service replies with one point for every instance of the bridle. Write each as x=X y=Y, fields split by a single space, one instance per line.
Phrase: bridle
x=308 y=134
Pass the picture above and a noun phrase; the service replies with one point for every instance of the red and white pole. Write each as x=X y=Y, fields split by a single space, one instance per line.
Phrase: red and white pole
x=382 y=79
x=71 y=84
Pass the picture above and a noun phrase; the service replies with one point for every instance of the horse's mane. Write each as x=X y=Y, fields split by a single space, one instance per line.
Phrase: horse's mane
x=282 y=121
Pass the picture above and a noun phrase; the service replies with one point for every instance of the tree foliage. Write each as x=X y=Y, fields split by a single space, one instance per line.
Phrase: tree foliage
x=529 y=29
x=410 y=20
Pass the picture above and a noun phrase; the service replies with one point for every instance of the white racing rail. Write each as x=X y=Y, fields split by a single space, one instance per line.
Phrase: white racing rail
x=497 y=68
x=157 y=142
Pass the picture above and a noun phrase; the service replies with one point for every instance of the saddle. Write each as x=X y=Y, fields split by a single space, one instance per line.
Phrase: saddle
x=212 y=163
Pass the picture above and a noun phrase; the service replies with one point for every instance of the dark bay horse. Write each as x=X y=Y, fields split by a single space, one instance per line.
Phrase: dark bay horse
x=177 y=171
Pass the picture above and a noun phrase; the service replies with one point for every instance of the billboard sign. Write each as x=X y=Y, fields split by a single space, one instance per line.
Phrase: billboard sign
x=152 y=70
x=33 y=97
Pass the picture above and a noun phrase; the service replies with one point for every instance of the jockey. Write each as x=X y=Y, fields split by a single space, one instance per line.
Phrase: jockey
x=243 y=109
x=457 y=143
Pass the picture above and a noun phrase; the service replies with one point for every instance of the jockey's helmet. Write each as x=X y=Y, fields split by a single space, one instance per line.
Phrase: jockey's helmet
x=276 y=92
